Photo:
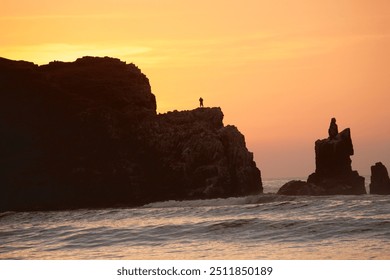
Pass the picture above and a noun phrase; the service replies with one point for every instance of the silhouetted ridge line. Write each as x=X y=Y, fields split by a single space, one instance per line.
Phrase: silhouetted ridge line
x=86 y=134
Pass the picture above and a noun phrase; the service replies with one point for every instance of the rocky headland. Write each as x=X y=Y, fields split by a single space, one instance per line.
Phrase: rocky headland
x=333 y=174
x=86 y=134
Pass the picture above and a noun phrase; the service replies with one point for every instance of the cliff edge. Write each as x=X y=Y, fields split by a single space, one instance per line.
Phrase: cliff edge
x=86 y=134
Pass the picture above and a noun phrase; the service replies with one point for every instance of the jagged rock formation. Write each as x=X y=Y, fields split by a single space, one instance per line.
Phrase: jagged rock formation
x=380 y=181
x=204 y=157
x=333 y=155
x=334 y=174
x=298 y=187
x=86 y=134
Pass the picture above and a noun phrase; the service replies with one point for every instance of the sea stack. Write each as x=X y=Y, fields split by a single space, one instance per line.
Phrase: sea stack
x=380 y=181
x=333 y=174
x=86 y=134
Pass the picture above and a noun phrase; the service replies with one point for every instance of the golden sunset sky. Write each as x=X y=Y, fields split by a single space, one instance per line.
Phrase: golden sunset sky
x=278 y=69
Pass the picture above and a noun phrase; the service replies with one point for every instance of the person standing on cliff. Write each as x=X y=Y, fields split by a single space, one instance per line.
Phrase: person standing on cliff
x=201 y=102
x=333 y=129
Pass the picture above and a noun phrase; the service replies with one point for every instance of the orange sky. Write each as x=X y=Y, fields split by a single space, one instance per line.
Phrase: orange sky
x=278 y=69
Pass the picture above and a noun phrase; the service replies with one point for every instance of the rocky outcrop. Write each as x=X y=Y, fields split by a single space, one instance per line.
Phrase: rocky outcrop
x=334 y=174
x=202 y=156
x=333 y=166
x=380 y=181
x=333 y=155
x=86 y=134
x=298 y=187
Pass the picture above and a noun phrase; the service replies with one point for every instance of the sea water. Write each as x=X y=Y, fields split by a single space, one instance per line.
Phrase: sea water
x=266 y=226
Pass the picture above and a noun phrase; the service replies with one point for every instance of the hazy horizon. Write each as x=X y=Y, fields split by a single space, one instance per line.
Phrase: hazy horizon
x=279 y=70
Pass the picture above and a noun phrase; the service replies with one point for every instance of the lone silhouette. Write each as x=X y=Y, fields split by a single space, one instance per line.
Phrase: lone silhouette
x=333 y=129
x=201 y=102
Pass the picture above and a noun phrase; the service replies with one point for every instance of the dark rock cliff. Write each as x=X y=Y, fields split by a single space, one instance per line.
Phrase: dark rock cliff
x=86 y=134
x=334 y=174
x=199 y=157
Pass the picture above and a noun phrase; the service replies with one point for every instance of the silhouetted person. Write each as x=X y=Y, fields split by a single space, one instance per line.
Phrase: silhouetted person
x=201 y=102
x=333 y=129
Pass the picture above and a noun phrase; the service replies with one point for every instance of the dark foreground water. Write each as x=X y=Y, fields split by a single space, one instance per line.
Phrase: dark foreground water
x=254 y=227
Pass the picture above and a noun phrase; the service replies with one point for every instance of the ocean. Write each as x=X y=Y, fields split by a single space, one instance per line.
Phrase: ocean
x=266 y=226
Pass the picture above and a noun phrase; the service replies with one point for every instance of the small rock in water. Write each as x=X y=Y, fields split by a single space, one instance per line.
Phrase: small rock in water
x=380 y=181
